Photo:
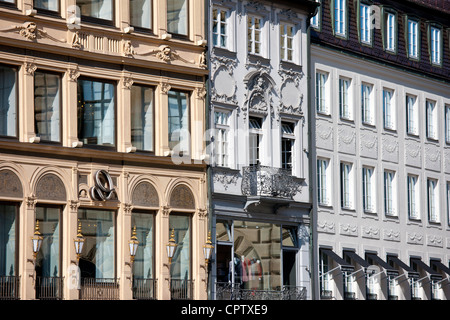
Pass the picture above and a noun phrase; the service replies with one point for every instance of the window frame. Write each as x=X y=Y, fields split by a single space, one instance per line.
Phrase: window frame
x=288 y=136
x=17 y=242
x=368 y=196
x=181 y=35
x=369 y=41
x=386 y=13
x=251 y=30
x=17 y=102
x=436 y=26
x=219 y=24
x=431 y=127
x=188 y=111
x=322 y=107
x=367 y=104
x=413 y=196
x=140 y=28
x=345 y=107
x=433 y=201
x=412 y=115
x=347 y=185
x=258 y=134
x=102 y=21
x=284 y=40
x=9 y=5
x=226 y=128
x=447 y=122
x=340 y=33
x=390 y=198
x=317 y=17
x=389 y=109
x=323 y=181
x=416 y=21
x=153 y=118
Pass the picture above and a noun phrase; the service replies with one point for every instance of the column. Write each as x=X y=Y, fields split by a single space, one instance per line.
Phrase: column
x=70 y=268
x=161 y=117
x=124 y=115
x=26 y=104
x=162 y=261
x=26 y=264
x=124 y=267
x=70 y=106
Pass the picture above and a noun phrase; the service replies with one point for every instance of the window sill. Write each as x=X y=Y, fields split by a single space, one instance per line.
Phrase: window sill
x=390 y=129
x=433 y=139
x=369 y=124
x=413 y=135
x=346 y=119
x=324 y=113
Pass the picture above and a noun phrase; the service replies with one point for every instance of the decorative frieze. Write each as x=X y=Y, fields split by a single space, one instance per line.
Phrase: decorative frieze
x=370 y=232
x=389 y=149
x=432 y=157
x=326 y=227
x=391 y=235
x=435 y=241
x=368 y=144
x=413 y=153
x=414 y=238
x=348 y=229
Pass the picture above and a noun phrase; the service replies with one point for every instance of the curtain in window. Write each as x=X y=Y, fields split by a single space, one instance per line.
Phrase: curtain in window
x=8 y=102
x=51 y=5
x=143 y=263
x=178 y=121
x=142 y=118
x=47 y=261
x=177 y=15
x=101 y=9
x=7 y=240
x=141 y=13
x=180 y=267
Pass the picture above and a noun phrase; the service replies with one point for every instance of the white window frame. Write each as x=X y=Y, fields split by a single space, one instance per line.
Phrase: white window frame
x=391 y=29
x=323 y=181
x=435 y=45
x=367 y=109
x=222 y=138
x=340 y=17
x=315 y=20
x=347 y=185
x=217 y=18
x=431 y=118
x=413 y=196
x=390 y=193
x=368 y=189
x=412 y=115
x=345 y=101
x=255 y=140
x=288 y=132
x=433 y=200
x=413 y=38
x=285 y=49
x=389 y=110
x=252 y=33
x=365 y=25
x=392 y=286
x=322 y=92
x=447 y=123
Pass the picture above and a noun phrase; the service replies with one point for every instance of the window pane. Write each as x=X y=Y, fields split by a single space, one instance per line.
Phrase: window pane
x=7 y=240
x=96 y=112
x=141 y=13
x=177 y=16
x=178 y=121
x=8 y=102
x=180 y=267
x=142 y=118
x=101 y=9
x=143 y=262
x=47 y=106
x=52 y=5
x=48 y=258
x=97 y=258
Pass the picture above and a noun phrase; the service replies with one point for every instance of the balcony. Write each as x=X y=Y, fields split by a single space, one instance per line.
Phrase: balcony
x=268 y=185
x=230 y=291
x=99 y=289
x=49 y=288
x=181 y=289
x=9 y=288
x=144 y=289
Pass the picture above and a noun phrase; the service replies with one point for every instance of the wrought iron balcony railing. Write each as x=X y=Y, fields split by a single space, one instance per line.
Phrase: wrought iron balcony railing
x=9 y=288
x=99 y=289
x=181 y=289
x=230 y=291
x=49 y=288
x=269 y=182
x=144 y=289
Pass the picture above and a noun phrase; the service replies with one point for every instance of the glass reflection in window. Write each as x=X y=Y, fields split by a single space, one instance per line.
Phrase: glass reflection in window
x=8 y=237
x=141 y=13
x=177 y=13
x=8 y=101
x=100 y=9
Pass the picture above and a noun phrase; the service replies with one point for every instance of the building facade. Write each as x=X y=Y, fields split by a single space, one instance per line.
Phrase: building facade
x=259 y=176
x=380 y=124
x=102 y=121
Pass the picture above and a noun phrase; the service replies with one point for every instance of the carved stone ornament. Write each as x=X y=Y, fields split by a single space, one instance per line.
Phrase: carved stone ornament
x=30 y=68
x=74 y=74
x=326 y=227
x=225 y=178
x=182 y=198
x=31 y=201
x=30 y=31
x=166 y=53
x=50 y=187
x=127 y=82
x=128 y=50
x=76 y=41
x=145 y=194
x=10 y=185
x=391 y=235
x=165 y=87
x=258 y=98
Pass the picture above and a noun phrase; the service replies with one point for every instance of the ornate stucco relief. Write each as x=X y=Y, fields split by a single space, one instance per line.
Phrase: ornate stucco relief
x=326 y=227
x=391 y=235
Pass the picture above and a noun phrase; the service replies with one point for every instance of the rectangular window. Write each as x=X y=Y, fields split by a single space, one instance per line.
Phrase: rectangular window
x=388 y=109
x=390 y=32
x=344 y=96
x=435 y=45
x=346 y=186
x=47 y=106
x=413 y=39
x=179 y=121
x=366 y=104
x=221 y=149
x=255 y=137
x=413 y=197
x=8 y=101
x=433 y=200
x=177 y=17
x=365 y=28
x=142 y=118
x=286 y=42
x=325 y=277
x=412 y=115
x=220 y=26
x=315 y=21
x=321 y=79
x=447 y=123
x=141 y=13
x=8 y=239
x=254 y=30
x=180 y=268
x=389 y=193
x=287 y=145
x=98 y=9
x=340 y=17
x=431 y=119
x=322 y=182
x=368 y=179
x=96 y=113
x=8 y=1
x=143 y=267
x=50 y=5
x=97 y=259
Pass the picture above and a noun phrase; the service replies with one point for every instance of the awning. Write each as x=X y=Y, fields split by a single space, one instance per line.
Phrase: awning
x=433 y=274
x=331 y=254
x=404 y=266
x=376 y=259
x=352 y=255
x=439 y=265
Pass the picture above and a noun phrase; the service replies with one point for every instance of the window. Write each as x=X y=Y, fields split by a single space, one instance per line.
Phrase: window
x=287 y=145
x=392 y=287
x=323 y=182
x=321 y=79
x=413 y=197
x=255 y=137
x=433 y=200
x=180 y=268
x=103 y=10
x=96 y=112
x=143 y=267
x=315 y=21
x=220 y=28
x=47 y=106
x=177 y=15
x=391 y=26
x=431 y=119
x=254 y=34
x=340 y=17
x=344 y=97
x=141 y=13
x=221 y=150
x=346 y=186
x=388 y=109
x=325 y=277
x=415 y=289
x=286 y=42
x=447 y=123
x=413 y=39
x=390 y=200
x=435 y=45
x=349 y=285
x=97 y=258
x=50 y=5
x=8 y=101
x=435 y=289
x=366 y=104
x=365 y=26
x=142 y=118
x=179 y=121
x=8 y=1
x=368 y=180
x=8 y=239
x=448 y=202
x=412 y=115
